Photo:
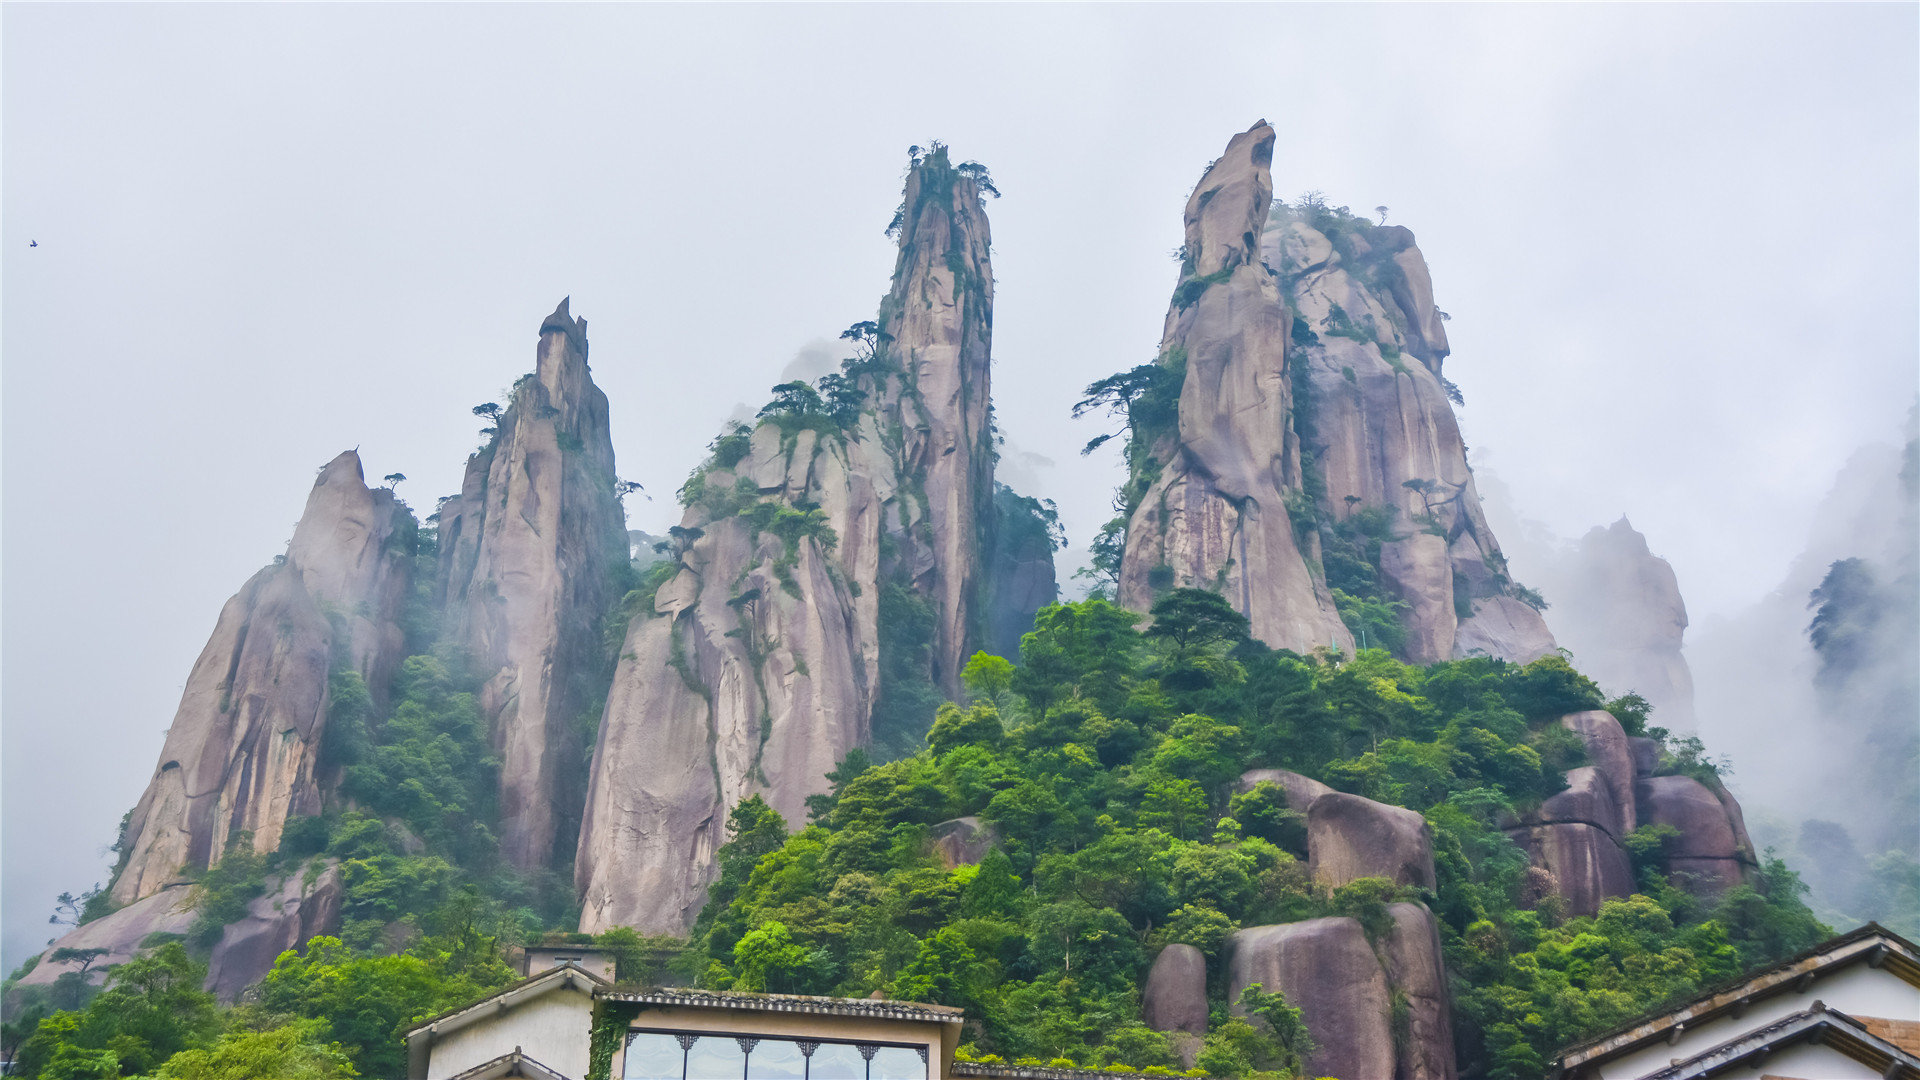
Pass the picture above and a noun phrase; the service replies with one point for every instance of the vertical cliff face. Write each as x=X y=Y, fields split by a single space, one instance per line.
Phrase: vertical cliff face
x=242 y=754
x=531 y=550
x=1224 y=510
x=829 y=556
x=1386 y=460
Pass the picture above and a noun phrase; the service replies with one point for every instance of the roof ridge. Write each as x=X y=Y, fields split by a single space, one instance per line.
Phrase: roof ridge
x=1653 y=1016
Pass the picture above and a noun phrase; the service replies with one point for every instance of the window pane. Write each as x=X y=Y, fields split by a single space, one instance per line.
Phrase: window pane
x=716 y=1057
x=776 y=1059
x=652 y=1057
x=838 y=1061
x=896 y=1063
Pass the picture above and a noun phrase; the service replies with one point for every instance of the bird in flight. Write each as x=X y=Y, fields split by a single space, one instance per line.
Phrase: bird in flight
x=33 y=243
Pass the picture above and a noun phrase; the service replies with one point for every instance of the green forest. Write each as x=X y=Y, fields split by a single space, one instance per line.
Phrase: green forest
x=1105 y=760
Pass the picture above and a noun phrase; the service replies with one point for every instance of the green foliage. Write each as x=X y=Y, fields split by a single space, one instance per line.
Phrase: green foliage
x=908 y=697
x=151 y=1009
x=1109 y=784
x=292 y=1051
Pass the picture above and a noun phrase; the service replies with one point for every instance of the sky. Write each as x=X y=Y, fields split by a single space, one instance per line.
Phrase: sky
x=1678 y=244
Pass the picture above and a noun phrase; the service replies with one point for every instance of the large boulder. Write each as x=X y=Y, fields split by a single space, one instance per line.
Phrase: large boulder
x=1646 y=755
x=1414 y=969
x=1503 y=627
x=1301 y=790
x=1608 y=751
x=1175 y=998
x=1710 y=855
x=1584 y=863
x=169 y=911
x=1349 y=837
x=1588 y=800
x=962 y=841
x=294 y=909
x=1327 y=970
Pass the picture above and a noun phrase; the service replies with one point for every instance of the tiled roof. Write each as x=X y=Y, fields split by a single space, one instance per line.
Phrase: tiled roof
x=1827 y=1026
x=784 y=1003
x=535 y=985
x=1872 y=943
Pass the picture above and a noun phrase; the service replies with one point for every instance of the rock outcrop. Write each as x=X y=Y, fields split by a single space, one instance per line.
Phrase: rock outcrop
x=808 y=542
x=1411 y=956
x=1220 y=513
x=292 y=910
x=1345 y=987
x=243 y=752
x=1618 y=609
x=530 y=553
x=1175 y=996
x=1349 y=837
x=1712 y=853
x=119 y=932
x=1315 y=449
x=962 y=841
x=1379 y=433
x=1577 y=837
x=1327 y=970
x=1301 y=790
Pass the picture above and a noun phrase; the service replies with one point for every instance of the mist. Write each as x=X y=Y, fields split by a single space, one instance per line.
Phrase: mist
x=1677 y=242
x=1812 y=695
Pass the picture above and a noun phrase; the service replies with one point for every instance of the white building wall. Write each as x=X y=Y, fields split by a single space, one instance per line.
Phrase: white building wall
x=553 y=1029
x=1857 y=990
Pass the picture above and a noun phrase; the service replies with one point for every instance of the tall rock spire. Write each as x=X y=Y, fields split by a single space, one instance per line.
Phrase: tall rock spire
x=1316 y=476
x=531 y=552
x=1225 y=511
x=243 y=752
x=829 y=569
x=1397 y=506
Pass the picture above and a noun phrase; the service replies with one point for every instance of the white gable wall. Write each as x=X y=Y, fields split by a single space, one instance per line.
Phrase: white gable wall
x=552 y=1029
x=1857 y=990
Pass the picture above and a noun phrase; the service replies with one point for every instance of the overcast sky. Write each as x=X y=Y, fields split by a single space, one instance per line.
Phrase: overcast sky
x=1678 y=245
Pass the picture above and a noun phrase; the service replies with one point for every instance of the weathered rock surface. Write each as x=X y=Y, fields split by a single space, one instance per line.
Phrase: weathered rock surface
x=243 y=751
x=1328 y=971
x=1584 y=863
x=529 y=551
x=1349 y=837
x=1411 y=953
x=758 y=667
x=292 y=910
x=1301 y=790
x=1612 y=759
x=962 y=841
x=1175 y=998
x=1421 y=570
x=1503 y=627
x=1618 y=609
x=1588 y=801
x=1371 y=343
x=1646 y=755
x=167 y=911
x=1217 y=516
x=1712 y=852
